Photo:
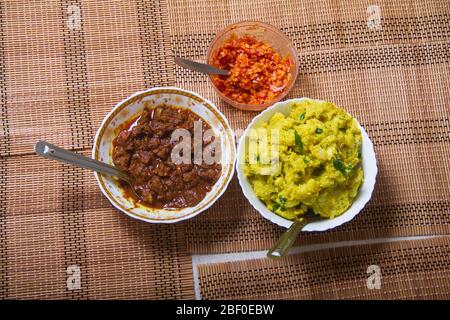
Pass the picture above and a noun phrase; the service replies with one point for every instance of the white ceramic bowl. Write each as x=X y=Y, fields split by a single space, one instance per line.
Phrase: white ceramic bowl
x=369 y=166
x=130 y=108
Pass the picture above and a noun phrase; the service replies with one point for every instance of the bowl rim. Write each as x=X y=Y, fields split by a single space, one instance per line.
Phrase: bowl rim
x=258 y=205
x=295 y=58
x=108 y=117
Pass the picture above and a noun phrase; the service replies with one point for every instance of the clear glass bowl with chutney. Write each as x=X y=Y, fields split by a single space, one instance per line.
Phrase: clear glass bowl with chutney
x=263 y=65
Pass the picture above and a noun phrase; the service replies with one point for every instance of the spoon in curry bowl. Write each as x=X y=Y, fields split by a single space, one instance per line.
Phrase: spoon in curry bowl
x=49 y=151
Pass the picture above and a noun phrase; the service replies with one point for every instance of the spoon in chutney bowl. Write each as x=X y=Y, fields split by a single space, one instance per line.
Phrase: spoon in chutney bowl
x=200 y=67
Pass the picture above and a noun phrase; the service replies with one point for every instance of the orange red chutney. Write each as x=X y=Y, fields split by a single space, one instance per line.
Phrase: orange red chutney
x=258 y=74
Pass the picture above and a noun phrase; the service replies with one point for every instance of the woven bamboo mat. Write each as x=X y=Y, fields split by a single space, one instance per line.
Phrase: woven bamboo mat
x=407 y=270
x=60 y=75
x=58 y=82
x=394 y=80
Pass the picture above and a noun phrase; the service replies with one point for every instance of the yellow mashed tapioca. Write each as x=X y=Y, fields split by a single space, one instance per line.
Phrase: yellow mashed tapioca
x=318 y=148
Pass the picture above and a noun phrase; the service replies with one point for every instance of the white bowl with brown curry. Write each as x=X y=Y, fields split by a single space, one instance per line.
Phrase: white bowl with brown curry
x=177 y=146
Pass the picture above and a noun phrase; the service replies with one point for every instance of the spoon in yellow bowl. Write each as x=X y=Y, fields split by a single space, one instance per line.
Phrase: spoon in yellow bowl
x=287 y=239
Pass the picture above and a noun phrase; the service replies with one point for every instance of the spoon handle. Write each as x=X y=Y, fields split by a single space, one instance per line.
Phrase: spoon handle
x=286 y=240
x=200 y=67
x=49 y=151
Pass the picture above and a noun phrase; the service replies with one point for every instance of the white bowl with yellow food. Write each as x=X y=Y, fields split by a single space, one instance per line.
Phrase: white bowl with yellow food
x=303 y=155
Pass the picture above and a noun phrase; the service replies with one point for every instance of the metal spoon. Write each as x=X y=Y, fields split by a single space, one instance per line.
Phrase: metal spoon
x=200 y=67
x=287 y=239
x=49 y=151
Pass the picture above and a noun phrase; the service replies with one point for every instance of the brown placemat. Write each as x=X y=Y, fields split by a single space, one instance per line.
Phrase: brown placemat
x=394 y=80
x=407 y=270
x=58 y=80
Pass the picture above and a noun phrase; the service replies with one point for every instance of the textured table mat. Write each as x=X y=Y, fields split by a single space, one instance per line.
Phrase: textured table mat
x=57 y=83
x=60 y=75
x=407 y=270
x=394 y=80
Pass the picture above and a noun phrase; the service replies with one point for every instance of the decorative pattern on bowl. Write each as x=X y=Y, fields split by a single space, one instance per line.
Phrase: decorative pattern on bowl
x=130 y=108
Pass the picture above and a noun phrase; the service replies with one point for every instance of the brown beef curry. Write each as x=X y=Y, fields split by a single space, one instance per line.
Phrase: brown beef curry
x=143 y=148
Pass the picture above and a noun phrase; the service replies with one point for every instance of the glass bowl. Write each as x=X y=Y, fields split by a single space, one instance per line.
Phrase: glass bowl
x=263 y=32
